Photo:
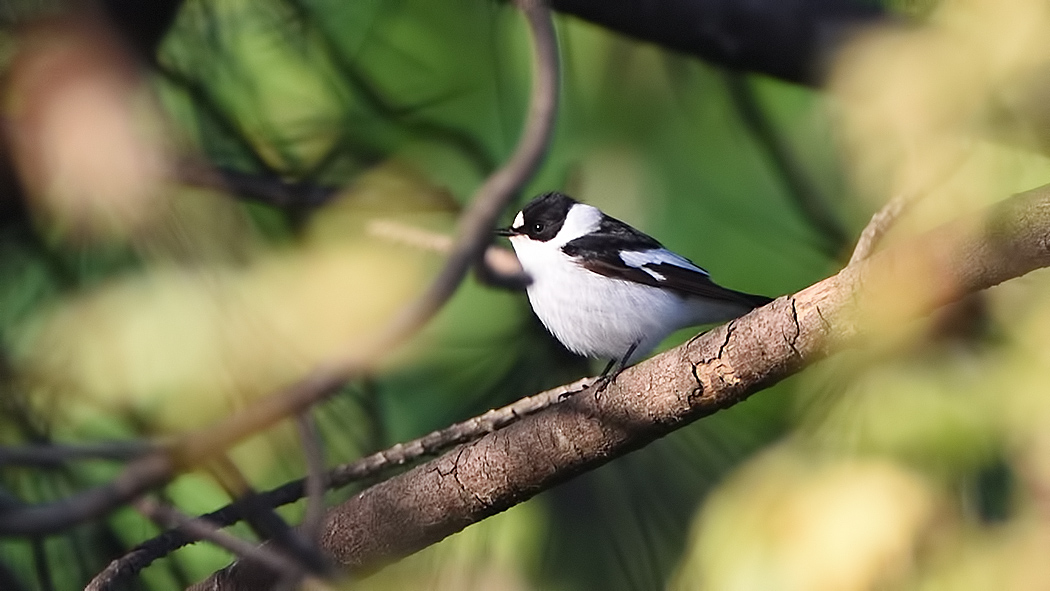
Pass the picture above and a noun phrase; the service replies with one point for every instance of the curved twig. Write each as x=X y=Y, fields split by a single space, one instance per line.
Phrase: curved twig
x=473 y=235
x=475 y=226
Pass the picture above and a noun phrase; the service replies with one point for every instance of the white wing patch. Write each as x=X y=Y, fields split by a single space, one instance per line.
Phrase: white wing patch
x=640 y=258
x=654 y=274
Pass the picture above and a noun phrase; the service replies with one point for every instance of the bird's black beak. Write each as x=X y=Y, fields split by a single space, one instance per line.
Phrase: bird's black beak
x=508 y=232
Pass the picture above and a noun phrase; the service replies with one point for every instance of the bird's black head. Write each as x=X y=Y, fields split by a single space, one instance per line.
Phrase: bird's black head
x=542 y=218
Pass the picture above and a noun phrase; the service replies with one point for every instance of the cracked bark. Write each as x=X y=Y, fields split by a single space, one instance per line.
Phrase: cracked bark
x=718 y=369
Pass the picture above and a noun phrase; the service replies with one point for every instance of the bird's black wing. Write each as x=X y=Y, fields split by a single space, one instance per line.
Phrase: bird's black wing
x=619 y=251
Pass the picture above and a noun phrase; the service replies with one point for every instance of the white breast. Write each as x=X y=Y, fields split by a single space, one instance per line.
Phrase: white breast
x=596 y=316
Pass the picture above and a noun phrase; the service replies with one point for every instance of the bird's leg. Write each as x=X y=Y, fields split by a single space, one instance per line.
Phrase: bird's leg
x=609 y=373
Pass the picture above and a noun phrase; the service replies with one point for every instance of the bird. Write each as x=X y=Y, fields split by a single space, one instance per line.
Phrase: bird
x=606 y=290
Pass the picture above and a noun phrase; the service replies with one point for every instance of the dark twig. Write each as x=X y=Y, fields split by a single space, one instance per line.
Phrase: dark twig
x=168 y=517
x=400 y=454
x=260 y=187
x=264 y=521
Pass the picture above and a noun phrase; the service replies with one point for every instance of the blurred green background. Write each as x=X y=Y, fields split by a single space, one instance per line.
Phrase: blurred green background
x=908 y=465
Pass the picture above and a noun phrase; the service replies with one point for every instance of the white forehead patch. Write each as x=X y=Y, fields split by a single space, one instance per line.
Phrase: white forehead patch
x=581 y=220
x=519 y=221
x=640 y=258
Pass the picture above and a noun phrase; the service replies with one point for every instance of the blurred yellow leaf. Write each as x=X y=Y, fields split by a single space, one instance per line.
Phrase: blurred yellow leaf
x=1007 y=559
x=187 y=344
x=785 y=523
x=916 y=104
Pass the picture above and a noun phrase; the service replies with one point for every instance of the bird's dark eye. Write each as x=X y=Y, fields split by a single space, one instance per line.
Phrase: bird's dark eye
x=537 y=227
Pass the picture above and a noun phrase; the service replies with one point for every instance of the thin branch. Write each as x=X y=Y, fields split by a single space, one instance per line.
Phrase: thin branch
x=403 y=453
x=167 y=517
x=264 y=521
x=878 y=226
x=881 y=222
x=56 y=455
x=467 y=431
x=475 y=227
x=499 y=267
x=712 y=371
x=316 y=479
x=473 y=235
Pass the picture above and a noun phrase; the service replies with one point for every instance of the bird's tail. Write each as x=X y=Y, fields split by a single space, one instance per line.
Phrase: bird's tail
x=752 y=300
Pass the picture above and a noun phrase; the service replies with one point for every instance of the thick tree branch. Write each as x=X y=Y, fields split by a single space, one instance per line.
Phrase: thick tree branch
x=713 y=371
x=788 y=39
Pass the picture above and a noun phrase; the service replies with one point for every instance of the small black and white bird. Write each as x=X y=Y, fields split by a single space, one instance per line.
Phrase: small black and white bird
x=607 y=290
